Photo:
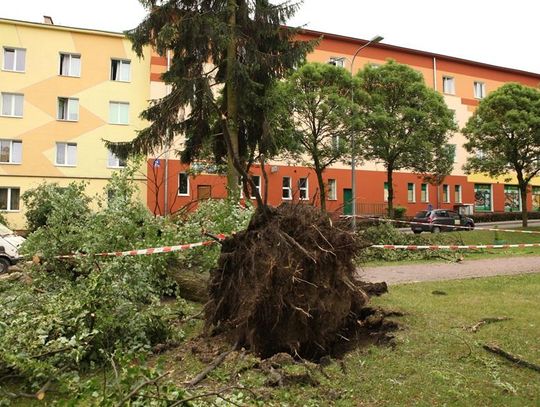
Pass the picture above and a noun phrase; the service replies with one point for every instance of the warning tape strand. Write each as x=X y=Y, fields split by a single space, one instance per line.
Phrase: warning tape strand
x=143 y=252
x=453 y=247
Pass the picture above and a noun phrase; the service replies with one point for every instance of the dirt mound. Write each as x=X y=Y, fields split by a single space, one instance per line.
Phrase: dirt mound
x=287 y=284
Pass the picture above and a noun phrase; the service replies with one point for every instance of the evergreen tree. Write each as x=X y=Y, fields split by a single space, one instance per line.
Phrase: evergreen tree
x=226 y=54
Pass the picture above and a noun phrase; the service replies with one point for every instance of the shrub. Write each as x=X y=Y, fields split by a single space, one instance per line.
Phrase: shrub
x=399 y=212
x=502 y=216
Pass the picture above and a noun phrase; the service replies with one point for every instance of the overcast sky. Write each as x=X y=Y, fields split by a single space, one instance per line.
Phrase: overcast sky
x=498 y=32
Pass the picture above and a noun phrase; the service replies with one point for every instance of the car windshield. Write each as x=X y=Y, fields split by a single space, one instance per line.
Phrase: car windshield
x=4 y=231
x=422 y=214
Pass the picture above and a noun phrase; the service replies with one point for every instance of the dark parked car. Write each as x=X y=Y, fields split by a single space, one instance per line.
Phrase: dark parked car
x=440 y=220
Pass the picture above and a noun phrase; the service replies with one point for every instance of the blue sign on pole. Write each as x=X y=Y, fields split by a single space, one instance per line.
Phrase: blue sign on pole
x=157 y=163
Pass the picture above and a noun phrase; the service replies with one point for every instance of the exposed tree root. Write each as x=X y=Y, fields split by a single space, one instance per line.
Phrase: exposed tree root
x=485 y=321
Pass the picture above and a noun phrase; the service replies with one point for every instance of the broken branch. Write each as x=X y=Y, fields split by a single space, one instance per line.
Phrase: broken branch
x=512 y=358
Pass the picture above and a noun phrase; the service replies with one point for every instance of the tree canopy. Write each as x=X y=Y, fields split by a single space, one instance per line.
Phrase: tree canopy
x=313 y=117
x=225 y=56
x=406 y=125
x=504 y=136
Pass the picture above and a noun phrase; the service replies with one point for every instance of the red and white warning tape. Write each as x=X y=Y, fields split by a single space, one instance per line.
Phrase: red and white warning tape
x=142 y=252
x=532 y=232
x=453 y=247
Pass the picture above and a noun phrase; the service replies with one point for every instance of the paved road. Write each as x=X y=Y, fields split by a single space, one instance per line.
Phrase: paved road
x=507 y=224
x=411 y=273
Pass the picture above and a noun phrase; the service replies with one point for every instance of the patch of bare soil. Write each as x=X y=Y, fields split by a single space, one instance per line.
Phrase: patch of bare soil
x=288 y=284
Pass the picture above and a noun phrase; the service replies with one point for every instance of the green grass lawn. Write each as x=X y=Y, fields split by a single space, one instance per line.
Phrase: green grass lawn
x=474 y=237
x=435 y=361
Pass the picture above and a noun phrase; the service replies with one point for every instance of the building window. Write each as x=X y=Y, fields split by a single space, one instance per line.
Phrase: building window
x=120 y=70
x=9 y=199
x=453 y=151
x=480 y=154
x=70 y=65
x=68 y=109
x=385 y=193
x=457 y=193
x=332 y=190
x=14 y=59
x=446 y=193
x=411 y=193
x=536 y=198
x=66 y=154
x=118 y=113
x=512 y=198
x=335 y=142
x=114 y=161
x=257 y=181
x=12 y=104
x=448 y=85
x=337 y=61
x=479 y=90
x=183 y=184
x=286 y=190
x=424 y=193
x=10 y=152
x=303 y=188
x=482 y=197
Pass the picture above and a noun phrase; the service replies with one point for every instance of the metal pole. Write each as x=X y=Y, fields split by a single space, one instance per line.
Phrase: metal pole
x=375 y=39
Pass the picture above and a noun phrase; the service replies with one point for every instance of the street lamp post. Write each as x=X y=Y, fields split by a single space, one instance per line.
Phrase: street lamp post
x=374 y=40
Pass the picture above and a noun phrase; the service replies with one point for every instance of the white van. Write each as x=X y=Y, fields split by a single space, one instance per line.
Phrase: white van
x=9 y=248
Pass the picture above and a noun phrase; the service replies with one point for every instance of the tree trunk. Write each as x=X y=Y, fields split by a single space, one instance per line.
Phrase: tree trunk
x=322 y=189
x=232 y=104
x=192 y=286
x=524 y=212
x=389 y=178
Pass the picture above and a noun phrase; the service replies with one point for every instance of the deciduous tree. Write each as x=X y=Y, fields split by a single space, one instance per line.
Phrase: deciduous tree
x=406 y=125
x=504 y=136
x=314 y=117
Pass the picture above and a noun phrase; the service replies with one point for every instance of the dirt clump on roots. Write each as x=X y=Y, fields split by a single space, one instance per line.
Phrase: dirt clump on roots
x=288 y=284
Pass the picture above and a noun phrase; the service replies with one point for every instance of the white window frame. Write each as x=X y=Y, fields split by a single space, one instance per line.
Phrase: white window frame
x=286 y=188
x=458 y=193
x=303 y=189
x=448 y=198
x=10 y=159
x=70 y=66
x=332 y=189
x=337 y=61
x=257 y=184
x=8 y=205
x=386 y=192
x=118 y=122
x=413 y=192
x=69 y=110
x=451 y=89
x=427 y=193
x=180 y=174
x=15 y=67
x=113 y=161
x=479 y=90
x=12 y=104
x=67 y=162
x=120 y=63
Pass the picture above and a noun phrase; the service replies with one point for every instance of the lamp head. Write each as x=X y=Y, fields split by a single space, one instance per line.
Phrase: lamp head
x=376 y=39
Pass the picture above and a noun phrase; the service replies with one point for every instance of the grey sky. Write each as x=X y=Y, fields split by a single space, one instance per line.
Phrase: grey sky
x=498 y=32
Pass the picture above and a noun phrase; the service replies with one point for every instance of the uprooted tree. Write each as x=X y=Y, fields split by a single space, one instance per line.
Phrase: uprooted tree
x=257 y=295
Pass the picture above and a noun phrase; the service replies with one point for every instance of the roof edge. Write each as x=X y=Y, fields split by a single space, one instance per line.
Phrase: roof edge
x=62 y=28
x=417 y=52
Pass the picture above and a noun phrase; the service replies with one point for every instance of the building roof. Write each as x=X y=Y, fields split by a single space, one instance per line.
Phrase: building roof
x=390 y=47
x=61 y=27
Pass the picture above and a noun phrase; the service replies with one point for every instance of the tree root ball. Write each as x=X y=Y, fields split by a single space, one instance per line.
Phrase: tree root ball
x=287 y=284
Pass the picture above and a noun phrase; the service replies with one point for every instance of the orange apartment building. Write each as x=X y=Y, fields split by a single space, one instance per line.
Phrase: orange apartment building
x=461 y=82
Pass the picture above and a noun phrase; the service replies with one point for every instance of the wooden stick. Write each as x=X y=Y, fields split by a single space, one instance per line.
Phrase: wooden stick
x=475 y=327
x=140 y=386
x=215 y=363
x=512 y=358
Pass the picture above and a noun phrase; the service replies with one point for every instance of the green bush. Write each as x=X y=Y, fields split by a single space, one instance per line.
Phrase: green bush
x=502 y=216
x=399 y=212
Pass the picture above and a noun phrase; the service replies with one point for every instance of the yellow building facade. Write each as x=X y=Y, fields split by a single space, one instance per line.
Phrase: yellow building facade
x=63 y=91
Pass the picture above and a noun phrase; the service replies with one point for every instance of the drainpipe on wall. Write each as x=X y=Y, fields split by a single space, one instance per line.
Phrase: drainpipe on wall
x=166 y=169
x=434 y=73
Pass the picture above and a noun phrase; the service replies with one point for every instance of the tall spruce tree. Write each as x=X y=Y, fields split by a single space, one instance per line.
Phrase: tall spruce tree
x=226 y=54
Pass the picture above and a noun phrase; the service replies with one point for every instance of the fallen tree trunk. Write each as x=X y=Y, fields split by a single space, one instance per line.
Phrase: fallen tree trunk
x=192 y=286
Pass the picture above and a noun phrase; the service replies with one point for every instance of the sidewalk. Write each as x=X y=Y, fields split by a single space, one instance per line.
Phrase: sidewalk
x=411 y=273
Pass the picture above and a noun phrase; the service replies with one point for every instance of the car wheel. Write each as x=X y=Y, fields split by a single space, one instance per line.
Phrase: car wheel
x=470 y=226
x=436 y=229
x=417 y=232
x=4 y=265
